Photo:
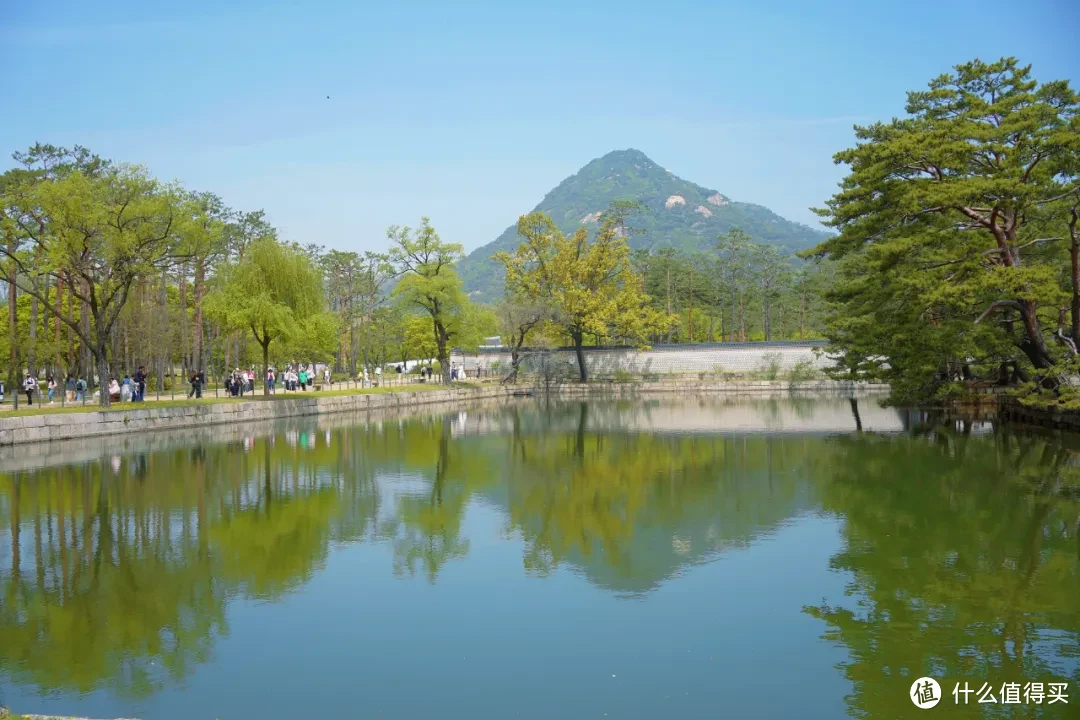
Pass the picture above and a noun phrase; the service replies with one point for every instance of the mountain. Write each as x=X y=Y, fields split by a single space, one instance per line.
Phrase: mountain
x=678 y=213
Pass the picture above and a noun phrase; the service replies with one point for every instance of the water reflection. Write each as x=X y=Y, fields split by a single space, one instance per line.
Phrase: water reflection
x=961 y=548
x=964 y=558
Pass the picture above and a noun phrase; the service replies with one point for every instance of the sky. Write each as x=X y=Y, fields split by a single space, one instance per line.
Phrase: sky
x=469 y=112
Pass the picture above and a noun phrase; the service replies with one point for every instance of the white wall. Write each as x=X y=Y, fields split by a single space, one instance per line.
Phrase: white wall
x=737 y=357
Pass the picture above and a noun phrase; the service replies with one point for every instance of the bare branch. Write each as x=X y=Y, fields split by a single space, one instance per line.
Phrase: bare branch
x=997 y=305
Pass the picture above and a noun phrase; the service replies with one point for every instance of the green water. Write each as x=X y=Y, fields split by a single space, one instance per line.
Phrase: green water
x=745 y=558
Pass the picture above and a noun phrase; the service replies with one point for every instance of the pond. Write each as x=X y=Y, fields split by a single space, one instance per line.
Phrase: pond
x=670 y=558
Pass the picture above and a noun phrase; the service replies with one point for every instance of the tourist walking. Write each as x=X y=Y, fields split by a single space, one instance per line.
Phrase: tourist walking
x=50 y=384
x=140 y=385
x=30 y=386
x=270 y=380
x=69 y=388
x=197 y=379
x=80 y=390
x=303 y=378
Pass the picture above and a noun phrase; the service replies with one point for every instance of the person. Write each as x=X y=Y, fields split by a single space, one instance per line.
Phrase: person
x=453 y=371
x=250 y=376
x=270 y=379
x=196 y=385
x=326 y=376
x=114 y=389
x=140 y=385
x=50 y=384
x=80 y=390
x=378 y=375
x=303 y=378
x=364 y=379
x=69 y=387
x=29 y=387
x=126 y=389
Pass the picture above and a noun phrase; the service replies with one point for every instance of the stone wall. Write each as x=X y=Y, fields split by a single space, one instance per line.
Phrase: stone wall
x=711 y=358
x=118 y=424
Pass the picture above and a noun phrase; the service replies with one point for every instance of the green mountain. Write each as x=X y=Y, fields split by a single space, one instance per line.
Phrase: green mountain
x=678 y=213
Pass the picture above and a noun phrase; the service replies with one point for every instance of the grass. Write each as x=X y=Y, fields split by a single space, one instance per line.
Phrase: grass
x=211 y=400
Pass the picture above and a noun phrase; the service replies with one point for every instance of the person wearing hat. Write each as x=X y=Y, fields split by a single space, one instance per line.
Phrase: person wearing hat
x=29 y=387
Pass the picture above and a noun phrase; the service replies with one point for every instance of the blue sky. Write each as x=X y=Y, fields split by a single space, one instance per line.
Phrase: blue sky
x=469 y=112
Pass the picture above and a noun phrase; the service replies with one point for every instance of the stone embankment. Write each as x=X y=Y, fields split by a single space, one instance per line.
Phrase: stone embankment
x=120 y=423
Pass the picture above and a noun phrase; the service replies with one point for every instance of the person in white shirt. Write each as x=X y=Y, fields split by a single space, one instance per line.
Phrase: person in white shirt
x=30 y=386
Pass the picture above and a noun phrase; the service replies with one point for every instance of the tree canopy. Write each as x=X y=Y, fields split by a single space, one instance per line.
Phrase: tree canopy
x=275 y=291
x=953 y=227
x=590 y=286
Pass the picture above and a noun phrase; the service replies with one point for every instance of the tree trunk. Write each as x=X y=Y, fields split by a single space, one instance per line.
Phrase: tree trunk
x=31 y=344
x=742 y=319
x=72 y=362
x=197 y=358
x=266 y=363
x=515 y=362
x=667 y=262
x=802 y=315
x=1034 y=345
x=185 y=358
x=13 y=326
x=163 y=309
x=690 y=315
x=734 y=294
x=57 y=318
x=101 y=359
x=442 y=339
x=84 y=350
x=1074 y=250
x=582 y=369
x=768 y=327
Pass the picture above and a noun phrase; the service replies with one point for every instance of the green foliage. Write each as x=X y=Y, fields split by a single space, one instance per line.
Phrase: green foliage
x=953 y=224
x=276 y=292
x=769 y=368
x=802 y=371
x=614 y=187
x=429 y=283
x=590 y=287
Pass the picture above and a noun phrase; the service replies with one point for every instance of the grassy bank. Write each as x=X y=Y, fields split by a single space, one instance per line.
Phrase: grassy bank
x=56 y=409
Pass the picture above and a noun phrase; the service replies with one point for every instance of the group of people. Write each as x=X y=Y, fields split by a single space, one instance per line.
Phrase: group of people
x=296 y=377
x=132 y=388
x=238 y=382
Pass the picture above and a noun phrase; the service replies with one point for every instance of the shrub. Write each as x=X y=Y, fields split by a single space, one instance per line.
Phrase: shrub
x=770 y=365
x=802 y=371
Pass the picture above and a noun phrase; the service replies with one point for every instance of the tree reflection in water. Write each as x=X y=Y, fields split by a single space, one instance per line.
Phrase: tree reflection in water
x=961 y=548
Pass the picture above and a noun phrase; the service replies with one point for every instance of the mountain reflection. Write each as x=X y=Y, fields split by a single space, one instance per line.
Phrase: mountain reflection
x=961 y=549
